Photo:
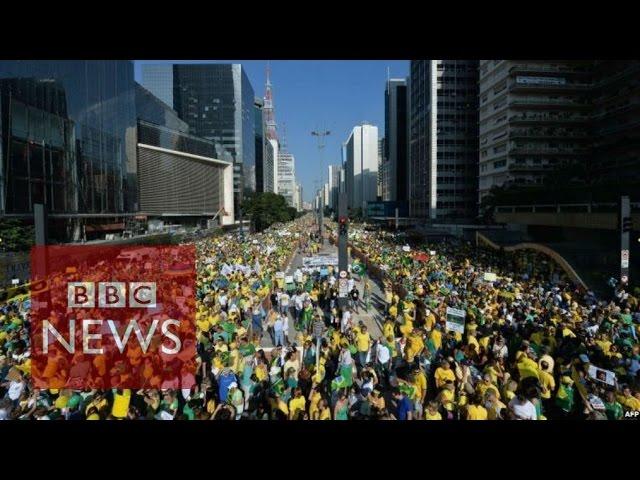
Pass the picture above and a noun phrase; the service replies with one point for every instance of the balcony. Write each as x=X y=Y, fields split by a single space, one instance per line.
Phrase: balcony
x=567 y=87
x=549 y=133
x=542 y=118
x=533 y=102
x=543 y=68
x=533 y=150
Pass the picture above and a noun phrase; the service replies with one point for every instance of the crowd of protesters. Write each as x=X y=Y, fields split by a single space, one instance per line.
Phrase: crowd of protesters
x=530 y=342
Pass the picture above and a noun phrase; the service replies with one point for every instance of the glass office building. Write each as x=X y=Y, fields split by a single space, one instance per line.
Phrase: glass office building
x=217 y=102
x=67 y=132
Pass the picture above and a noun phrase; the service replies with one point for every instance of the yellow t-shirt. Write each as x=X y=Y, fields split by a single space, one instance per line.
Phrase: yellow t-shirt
x=476 y=412
x=325 y=414
x=363 y=341
x=121 y=404
x=296 y=405
x=435 y=416
x=443 y=375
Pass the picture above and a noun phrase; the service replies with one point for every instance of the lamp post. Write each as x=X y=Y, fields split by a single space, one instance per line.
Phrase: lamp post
x=321 y=135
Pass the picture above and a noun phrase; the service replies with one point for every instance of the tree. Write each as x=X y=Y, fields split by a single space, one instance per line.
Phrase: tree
x=15 y=236
x=267 y=208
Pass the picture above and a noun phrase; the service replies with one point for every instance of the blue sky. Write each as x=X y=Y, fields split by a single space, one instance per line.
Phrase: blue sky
x=311 y=94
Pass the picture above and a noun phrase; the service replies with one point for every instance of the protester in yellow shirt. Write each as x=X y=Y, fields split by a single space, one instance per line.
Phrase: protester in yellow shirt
x=444 y=373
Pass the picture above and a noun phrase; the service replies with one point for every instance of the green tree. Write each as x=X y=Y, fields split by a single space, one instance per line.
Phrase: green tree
x=267 y=208
x=15 y=236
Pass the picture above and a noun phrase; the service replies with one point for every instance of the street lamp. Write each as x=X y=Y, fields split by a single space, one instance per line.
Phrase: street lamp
x=321 y=135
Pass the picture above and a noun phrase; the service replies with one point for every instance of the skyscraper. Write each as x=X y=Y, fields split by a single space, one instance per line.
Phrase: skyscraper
x=286 y=176
x=534 y=117
x=334 y=186
x=217 y=102
x=361 y=166
x=260 y=144
x=395 y=153
x=443 y=140
x=67 y=140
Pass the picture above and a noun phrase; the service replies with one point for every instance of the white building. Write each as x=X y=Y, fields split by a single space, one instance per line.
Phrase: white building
x=298 y=198
x=286 y=176
x=335 y=172
x=361 y=166
x=270 y=166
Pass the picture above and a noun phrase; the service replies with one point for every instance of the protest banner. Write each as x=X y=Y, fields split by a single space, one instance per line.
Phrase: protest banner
x=490 y=277
x=455 y=320
x=602 y=375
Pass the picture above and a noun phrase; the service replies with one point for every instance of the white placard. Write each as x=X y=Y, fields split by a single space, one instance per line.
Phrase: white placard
x=455 y=319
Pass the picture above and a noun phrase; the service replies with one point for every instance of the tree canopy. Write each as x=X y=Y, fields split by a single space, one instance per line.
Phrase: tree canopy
x=267 y=208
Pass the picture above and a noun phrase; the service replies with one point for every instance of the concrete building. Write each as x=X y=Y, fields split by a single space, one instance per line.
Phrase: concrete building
x=217 y=101
x=258 y=177
x=534 y=117
x=335 y=172
x=298 y=198
x=270 y=165
x=443 y=140
x=361 y=166
x=325 y=194
x=286 y=176
x=180 y=178
x=395 y=154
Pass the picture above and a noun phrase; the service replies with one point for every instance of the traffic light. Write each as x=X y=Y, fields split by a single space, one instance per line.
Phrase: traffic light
x=342 y=221
x=626 y=224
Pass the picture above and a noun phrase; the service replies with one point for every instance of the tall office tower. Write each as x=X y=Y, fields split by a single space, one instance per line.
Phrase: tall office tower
x=158 y=79
x=286 y=176
x=67 y=140
x=443 y=140
x=381 y=172
x=534 y=117
x=395 y=155
x=258 y=178
x=615 y=122
x=361 y=166
x=217 y=102
x=334 y=185
x=325 y=194
x=298 y=198
x=269 y=165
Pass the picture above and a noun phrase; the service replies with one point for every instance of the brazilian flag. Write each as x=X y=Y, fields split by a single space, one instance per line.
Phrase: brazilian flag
x=564 y=398
x=248 y=349
x=359 y=268
x=407 y=389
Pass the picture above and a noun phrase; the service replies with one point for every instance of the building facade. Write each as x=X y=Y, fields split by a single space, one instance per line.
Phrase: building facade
x=217 y=102
x=258 y=176
x=615 y=121
x=270 y=166
x=395 y=158
x=287 y=176
x=443 y=140
x=67 y=140
x=361 y=166
x=158 y=79
x=179 y=176
x=534 y=117
x=334 y=186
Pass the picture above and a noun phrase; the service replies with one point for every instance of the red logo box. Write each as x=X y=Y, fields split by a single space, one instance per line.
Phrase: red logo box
x=113 y=317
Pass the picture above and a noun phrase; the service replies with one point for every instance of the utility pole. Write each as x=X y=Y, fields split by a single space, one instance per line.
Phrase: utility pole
x=321 y=135
x=343 y=260
x=625 y=231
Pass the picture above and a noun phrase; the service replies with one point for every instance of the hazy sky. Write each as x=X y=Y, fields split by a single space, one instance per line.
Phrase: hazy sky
x=311 y=94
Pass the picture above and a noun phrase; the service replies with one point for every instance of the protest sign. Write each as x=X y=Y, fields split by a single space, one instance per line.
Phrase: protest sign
x=490 y=277
x=602 y=375
x=455 y=319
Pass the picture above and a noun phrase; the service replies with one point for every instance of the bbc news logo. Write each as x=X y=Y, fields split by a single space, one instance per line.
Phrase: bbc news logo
x=113 y=317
